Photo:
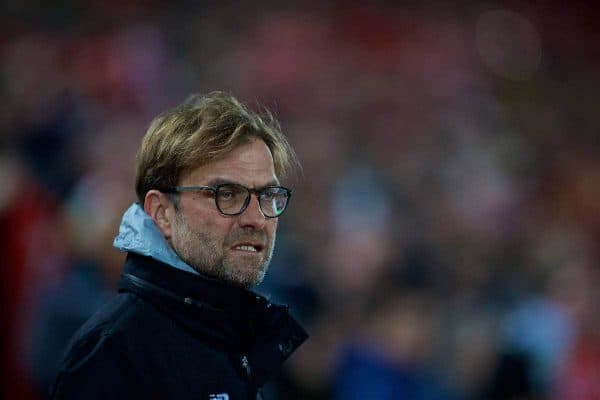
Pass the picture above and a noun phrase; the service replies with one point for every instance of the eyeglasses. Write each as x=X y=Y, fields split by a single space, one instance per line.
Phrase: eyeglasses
x=232 y=199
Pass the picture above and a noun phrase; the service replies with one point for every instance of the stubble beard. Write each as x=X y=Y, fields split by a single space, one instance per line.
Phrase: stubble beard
x=202 y=251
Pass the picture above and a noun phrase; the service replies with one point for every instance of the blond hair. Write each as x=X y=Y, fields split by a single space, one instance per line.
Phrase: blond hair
x=200 y=130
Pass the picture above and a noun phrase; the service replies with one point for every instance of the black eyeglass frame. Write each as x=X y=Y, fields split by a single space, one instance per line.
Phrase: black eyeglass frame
x=215 y=190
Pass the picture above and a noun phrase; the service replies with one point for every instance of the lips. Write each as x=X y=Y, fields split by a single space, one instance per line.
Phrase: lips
x=249 y=247
x=249 y=242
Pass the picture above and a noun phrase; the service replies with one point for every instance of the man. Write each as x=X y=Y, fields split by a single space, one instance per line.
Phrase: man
x=185 y=324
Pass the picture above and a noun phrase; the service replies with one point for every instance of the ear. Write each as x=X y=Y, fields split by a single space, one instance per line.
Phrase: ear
x=158 y=206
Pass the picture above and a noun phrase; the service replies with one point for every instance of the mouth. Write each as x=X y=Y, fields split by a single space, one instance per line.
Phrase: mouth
x=248 y=247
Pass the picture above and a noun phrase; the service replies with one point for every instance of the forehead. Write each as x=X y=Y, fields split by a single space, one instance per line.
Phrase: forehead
x=250 y=164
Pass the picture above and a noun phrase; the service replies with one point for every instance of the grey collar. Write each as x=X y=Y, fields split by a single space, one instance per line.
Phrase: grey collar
x=139 y=234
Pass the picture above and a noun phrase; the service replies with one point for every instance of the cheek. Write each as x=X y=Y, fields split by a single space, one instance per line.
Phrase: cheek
x=208 y=221
x=219 y=227
x=272 y=227
x=202 y=219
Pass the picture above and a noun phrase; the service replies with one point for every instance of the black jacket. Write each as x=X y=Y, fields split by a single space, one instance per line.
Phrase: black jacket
x=173 y=335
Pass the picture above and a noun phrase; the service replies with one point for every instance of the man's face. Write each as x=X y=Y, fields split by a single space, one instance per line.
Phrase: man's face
x=236 y=249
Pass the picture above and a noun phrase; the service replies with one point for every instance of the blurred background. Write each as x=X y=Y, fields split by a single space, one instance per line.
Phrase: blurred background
x=442 y=242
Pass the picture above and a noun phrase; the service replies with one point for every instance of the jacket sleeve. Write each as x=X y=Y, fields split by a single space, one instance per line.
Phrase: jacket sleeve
x=102 y=372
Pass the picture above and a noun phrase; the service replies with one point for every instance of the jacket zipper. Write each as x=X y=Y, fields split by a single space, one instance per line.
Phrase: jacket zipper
x=246 y=366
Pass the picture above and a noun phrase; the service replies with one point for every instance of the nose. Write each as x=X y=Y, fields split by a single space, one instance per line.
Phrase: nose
x=252 y=217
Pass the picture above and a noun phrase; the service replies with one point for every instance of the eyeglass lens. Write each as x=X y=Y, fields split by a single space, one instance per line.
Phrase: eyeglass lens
x=233 y=199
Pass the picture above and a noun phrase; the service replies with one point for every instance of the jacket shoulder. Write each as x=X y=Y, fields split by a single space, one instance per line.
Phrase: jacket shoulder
x=111 y=320
x=94 y=358
x=131 y=348
x=104 y=372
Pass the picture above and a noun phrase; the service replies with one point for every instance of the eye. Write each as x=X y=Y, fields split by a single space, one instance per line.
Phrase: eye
x=274 y=193
x=226 y=194
x=229 y=193
x=268 y=194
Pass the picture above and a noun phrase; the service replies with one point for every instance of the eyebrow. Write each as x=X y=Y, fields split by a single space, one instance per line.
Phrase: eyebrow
x=222 y=181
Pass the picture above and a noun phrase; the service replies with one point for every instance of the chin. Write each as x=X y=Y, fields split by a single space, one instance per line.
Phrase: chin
x=247 y=280
x=245 y=273
x=253 y=280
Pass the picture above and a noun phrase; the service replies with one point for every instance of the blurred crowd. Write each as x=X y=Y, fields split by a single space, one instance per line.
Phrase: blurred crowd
x=442 y=241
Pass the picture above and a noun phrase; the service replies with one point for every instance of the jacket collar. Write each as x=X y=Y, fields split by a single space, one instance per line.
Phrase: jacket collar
x=139 y=234
x=231 y=318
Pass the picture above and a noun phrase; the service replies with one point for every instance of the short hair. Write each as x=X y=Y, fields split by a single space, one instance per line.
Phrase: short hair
x=202 y=129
